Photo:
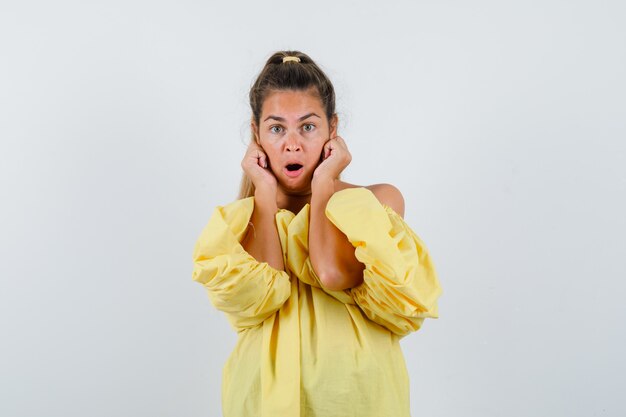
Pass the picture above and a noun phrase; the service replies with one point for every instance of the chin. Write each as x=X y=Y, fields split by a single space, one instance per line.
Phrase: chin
x=295 y=187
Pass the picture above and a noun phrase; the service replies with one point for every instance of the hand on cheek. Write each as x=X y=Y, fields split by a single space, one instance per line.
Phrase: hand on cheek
x=336 y=158
x=256 y=165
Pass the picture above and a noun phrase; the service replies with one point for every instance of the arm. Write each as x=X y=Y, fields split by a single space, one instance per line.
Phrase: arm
x=400 y=285
x=248 y=291
x=241 y=265
x=332 y=255
x=261 y=240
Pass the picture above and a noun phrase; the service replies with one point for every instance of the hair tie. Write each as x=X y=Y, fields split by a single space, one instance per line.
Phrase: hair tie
x=290 y=58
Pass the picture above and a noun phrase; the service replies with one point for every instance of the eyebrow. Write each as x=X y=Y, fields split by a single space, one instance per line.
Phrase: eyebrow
x=282 y=119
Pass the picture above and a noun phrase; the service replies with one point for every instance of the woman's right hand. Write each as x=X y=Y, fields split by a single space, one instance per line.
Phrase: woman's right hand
x=262 y=240
x=256 y=166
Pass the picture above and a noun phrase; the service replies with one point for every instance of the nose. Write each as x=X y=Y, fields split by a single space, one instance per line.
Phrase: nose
x=293 y=143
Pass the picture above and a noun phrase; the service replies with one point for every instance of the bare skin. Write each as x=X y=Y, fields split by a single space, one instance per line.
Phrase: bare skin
x=293 y=129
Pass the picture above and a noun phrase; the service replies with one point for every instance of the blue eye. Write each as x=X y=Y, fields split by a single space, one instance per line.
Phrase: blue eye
x=276 y=129
x=308 y=127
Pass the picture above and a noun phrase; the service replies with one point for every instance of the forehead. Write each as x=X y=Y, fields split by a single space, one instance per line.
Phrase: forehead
x=292 y=103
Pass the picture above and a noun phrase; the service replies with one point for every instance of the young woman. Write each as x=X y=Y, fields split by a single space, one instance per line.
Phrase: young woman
x=319 y=277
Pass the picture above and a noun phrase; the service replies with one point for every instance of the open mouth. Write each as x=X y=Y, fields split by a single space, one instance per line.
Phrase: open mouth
x=293 y=170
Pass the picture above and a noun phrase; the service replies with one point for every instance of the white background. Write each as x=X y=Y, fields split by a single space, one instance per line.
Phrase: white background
x=123 y=123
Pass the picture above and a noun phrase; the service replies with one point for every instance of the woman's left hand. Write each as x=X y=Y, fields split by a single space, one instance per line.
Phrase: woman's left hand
x=336 y=158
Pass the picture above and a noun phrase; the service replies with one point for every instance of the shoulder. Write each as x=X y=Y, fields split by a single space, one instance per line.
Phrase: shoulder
x=389 y=195
x=386 y=194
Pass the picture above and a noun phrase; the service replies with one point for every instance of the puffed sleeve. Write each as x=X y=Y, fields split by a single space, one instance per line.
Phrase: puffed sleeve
x=248 y=291
x=400 y=285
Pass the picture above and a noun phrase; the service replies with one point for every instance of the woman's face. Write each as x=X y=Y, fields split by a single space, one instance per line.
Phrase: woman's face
x=292 y=131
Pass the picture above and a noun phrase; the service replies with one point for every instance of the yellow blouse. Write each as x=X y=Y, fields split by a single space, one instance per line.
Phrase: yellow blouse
x=303 y=350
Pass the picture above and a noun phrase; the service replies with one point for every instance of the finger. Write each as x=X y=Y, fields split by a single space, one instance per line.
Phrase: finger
x=340 y=142
x=257 y=151
x=260 y=157
x=327 y=149
x=252 y=156
x=250 y=151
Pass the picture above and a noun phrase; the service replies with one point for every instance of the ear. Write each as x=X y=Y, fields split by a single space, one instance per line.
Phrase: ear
x=334 y=121
x=255 y=132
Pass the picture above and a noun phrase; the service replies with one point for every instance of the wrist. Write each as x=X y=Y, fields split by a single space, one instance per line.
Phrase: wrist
x=321 y=191
x=265 y=201
x=322 y=183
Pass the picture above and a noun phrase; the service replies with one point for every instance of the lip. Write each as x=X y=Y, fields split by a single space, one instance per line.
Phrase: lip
x=293 y=174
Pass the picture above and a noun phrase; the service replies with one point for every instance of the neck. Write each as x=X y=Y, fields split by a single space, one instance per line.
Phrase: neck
x=293 y=201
